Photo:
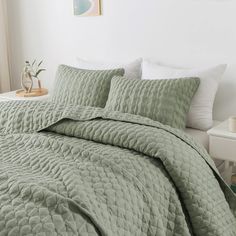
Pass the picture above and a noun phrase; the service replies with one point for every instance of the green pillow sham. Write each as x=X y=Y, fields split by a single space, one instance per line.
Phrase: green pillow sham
x=83 y=87
x=167 y=101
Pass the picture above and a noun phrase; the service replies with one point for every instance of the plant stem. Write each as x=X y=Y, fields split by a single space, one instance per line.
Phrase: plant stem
x=39 y=84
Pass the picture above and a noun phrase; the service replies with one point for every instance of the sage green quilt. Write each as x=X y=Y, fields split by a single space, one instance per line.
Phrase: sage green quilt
x=72 y=170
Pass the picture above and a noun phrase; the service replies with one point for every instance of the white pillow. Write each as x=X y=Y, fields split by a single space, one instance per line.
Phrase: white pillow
x=133 y=70
x=200 y=113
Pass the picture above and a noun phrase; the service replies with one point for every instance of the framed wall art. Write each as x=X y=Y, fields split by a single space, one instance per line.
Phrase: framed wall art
x=87 y=7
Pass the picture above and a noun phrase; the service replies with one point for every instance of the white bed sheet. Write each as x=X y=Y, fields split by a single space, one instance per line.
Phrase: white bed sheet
x=200 y=136
x=203 y=138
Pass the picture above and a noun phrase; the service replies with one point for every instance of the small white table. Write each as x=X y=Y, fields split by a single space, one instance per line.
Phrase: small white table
x=222 y=145
x=11 y=96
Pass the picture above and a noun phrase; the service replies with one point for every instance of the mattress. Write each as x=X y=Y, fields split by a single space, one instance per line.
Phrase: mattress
x=200 y=136
x=203 y=138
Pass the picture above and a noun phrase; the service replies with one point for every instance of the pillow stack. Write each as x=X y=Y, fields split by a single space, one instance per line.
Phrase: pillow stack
x=174 y=97
x=200 y=113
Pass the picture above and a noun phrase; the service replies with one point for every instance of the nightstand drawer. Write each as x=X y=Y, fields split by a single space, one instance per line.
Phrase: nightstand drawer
x=222 y=148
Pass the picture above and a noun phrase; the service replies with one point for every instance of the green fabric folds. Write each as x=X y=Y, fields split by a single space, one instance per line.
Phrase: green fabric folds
x=73 y=170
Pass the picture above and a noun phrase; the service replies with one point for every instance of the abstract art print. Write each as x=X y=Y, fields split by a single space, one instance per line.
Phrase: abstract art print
x=87 y=7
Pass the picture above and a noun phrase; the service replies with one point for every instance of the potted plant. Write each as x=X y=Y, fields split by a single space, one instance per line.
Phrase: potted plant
x=30 y=71
x=35 y=70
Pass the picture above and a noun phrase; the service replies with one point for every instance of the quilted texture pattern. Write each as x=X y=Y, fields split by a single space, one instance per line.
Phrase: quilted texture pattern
x=83 y=87
x=166 y=101
x=94 y=172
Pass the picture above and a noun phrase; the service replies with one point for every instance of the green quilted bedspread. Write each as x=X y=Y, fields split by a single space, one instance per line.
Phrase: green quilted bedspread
x=71 y=170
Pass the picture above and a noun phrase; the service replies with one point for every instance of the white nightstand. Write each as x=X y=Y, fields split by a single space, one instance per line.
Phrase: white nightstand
x=11 y=96
x=222 y=145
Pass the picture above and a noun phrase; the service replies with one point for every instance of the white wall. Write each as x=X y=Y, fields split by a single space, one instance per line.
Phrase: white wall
x=180 y=32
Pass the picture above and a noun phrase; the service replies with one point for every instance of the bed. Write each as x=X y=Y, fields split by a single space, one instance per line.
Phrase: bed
x=80 y=169
x=72 y=170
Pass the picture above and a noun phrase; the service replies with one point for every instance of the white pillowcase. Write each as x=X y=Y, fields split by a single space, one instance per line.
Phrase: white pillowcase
x=133 y=70
x=200 y=113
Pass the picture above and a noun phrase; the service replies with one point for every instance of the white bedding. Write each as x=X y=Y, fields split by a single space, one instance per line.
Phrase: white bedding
x=200 y=136
x=203 y=138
